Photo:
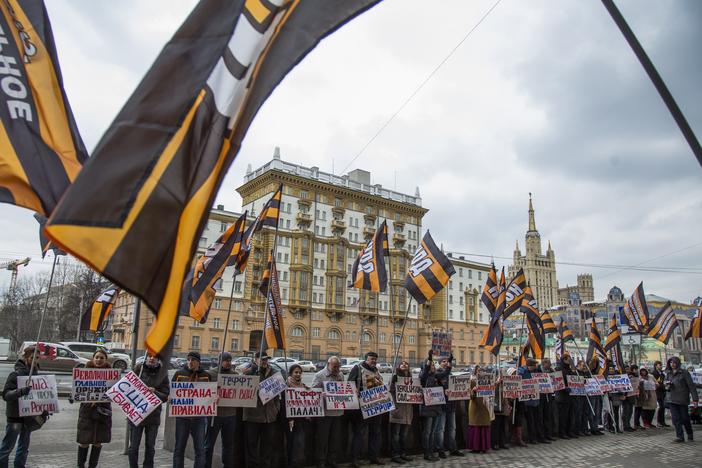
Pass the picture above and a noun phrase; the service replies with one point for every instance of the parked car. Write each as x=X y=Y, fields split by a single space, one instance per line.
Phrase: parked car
x=243 y=367
x=282 y=361
x=384 y=367
x=346 y=368
x=86 y=350
x=307 y=366
x=64 y=359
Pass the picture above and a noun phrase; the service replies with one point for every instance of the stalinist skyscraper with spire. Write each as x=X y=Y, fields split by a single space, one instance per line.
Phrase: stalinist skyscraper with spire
x=539 y=269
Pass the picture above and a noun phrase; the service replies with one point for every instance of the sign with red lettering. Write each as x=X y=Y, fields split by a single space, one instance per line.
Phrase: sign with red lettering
x=304 y=402
x=557 y=381
x=133 y=397
x=239 y=391
x=576 y=384
x=434 y=396
x=192 y=399
x=530 y=390
x=271 y=387
x=408 y=390
x=92 y=384
x=458 y=387
x=602 y=382
x=43 y=395
x=545 y=385
x=511 y=386
x=340 y=395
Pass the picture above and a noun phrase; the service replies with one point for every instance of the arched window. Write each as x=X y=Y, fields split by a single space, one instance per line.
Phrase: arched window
x=297 y=331
x=333 y=334
x=367 y=338
x=396 y=339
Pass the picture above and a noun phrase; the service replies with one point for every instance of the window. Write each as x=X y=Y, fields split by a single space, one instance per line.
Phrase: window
x=382 y=337
x=410 y=339
x=297 y=331
x=396 y=339
x=315 y=332
x=196 y=324
x=287 y=224
x=470 y=274
x=450 y=284
x=235 y=344
x=333 y=335
x=214 y=343
x=235 y=325
x=460 y=273
x=314 y=296
x=217 y=304
x=482 y=357
x=215 y=322
x=218 y=284
x=366 y=337
x=176 y=341
x=195 y=342
x=347 y=335
x=480 y=275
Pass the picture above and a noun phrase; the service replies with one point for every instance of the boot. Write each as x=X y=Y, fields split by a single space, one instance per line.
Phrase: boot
x=517 y=437
x=429 y=456
x=82 y=456
x=94 y=456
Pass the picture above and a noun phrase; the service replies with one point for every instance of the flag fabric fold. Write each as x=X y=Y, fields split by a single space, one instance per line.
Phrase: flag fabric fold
x=663 y=324
x=548 y=323
x=136 y=211
x=429 y=271
x=41 y=150
x=95 y=318
x=368 y=270
x=695 y=330
x=613 y=345
x=269 y=216
x=274 y=328
x=536 y=338
x=493 y=335
x=491 y=291
x=636 y=311
x=595 y=351
x=514 y=294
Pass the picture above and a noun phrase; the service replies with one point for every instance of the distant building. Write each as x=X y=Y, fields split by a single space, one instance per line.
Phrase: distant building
x=584 y=290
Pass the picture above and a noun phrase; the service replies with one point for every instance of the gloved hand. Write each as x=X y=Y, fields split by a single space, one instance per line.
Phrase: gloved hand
x=24 y=391
x=450 y=358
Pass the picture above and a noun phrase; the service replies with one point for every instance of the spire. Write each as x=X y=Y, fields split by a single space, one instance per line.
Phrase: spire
x=532 y=222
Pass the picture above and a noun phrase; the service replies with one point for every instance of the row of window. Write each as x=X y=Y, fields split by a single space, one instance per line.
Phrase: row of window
x=214 y=343
x=333 y=334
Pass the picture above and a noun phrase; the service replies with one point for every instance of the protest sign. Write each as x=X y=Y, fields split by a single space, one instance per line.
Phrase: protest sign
x=192 y=399
x=604 y=385
x=530 y=390
x=511 y=386
x=271 y=387
x=92 y=384
x=649 y=385
x=340 y=395
x=485 y=385
x=133 y=397
x=440 y=344
x=408 y=390
x=544 y=380
x=304 y=402
x=696 y=377
x=557 y=381
x=634 y=386
x=375 y=401
x=592 y=387
x=620 y=383
x=434 y=396
x=240 y=391
x=576 y=384
x=459 y=387
x=43 y=395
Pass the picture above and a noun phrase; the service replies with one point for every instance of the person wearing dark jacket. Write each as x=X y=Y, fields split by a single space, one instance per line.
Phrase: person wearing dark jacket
x=400 y=418
x=197 y=426
x=94 y=421
x=547 y=406
x=259 y=422
x=679 y=388
x=224 y=422
x=447 y=420
x=629 y=400
x=297 y=427
x=15 y=429
x=328 y=431
x=532 y=410
x=156 y=378
x=366 y=375
x=659 y=376
x=563 y=399
x=430 y=414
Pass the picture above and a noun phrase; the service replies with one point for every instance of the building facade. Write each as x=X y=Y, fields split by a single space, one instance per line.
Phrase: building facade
x=584 y=291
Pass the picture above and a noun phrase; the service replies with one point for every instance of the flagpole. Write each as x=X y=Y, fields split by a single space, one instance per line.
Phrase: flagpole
x=402 y=333
x=226 y=323
x=577 y=348
x=41 y=321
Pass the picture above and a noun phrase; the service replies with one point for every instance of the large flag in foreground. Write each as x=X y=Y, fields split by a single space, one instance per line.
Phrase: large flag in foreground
x=514 y=294
x=41 y=151
x=695 y=330
x=636 y=311
x=429 y=271
x=95 y=318
x=210 y=267
x=663 y=324
x=368 y=270
x=137 y=209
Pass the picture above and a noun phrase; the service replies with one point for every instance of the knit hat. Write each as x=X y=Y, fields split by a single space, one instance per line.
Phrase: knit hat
x=194 y=355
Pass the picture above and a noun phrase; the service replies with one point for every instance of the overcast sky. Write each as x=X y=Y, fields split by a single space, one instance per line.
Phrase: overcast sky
x=543 y=97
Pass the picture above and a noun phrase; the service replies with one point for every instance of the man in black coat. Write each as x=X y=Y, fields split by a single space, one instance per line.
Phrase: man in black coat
x=15 y=428
x=366 y=375
x=659 y=376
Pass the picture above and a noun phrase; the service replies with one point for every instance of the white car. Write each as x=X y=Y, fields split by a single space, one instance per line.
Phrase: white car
x=346 y=368
x=86 y=350
x=284 y=361
x=307 y=366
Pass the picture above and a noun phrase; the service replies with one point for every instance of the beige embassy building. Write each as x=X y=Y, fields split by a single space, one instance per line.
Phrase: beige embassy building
x=325 y=220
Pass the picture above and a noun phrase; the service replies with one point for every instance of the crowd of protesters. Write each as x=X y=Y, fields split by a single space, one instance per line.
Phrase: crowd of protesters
x=491 y=423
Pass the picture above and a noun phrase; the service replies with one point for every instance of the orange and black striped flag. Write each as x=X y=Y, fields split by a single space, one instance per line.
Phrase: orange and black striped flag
x=210 y=268
x=613 y=345
x=274 y=328
x=491 y=291
x=41 y=150
x=537 y=338
x=136 y=211
x=564 y=332
x=695 y=330
x=595 y=351
x=429 y=271
x=266 y=276
x=524 y=354
x=636 y=310
x=514 y=294
x=95 y=318
x=368 y=270
x=663 y=324
x=494 y=334
x=547 y=323
x=269 y=216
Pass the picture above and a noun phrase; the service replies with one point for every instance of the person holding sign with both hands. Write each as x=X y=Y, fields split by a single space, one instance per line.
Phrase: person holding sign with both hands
x=94 y=421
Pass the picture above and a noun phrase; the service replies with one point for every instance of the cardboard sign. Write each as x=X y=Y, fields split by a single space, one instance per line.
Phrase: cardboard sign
x=696 y=377
x=592 y=387
x=434 y=396
x=620 y=383
x=557 y=381
x=486 y=385
x=544 y=380
x=576 y=384
x=604 y=385
x=511 y=386
x=408 y=390
x=458 y=387
x=92 y=384
x=133 y=397
x=304 y=403
x=271 y=387
x=530 y=390
x=634 y=387
x=440 y=344
x=375 y=401
x=192 y=399
x=649 y=385
x=340 y=395
x=43 y=395
x=240 y=391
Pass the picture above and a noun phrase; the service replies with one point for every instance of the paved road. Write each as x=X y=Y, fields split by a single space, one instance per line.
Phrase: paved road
x=54 y=447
